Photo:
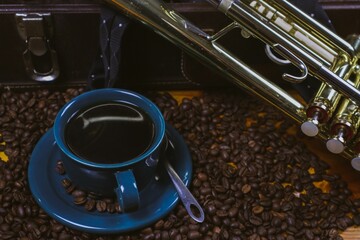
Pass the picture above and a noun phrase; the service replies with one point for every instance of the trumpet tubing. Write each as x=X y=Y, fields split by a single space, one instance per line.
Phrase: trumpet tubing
x=333 y=113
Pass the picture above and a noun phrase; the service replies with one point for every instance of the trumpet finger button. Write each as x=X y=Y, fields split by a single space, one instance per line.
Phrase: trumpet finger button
x=335 y=145
x=310 y=128
x=355 y=163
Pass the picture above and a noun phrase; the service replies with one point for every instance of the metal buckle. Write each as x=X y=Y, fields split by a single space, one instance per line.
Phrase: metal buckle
x=41 y=62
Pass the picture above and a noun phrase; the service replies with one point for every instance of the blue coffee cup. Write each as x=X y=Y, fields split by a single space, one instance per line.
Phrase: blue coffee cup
x=124 y=179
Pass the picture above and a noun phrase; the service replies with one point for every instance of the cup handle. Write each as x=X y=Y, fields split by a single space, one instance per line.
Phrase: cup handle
x=127 y=191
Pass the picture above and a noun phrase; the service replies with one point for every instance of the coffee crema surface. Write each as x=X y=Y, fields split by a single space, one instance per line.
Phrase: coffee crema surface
x=110 y=133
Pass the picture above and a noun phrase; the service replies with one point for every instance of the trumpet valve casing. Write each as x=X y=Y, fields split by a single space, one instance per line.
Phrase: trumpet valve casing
x=344 y=126
x=320 y=110
x=341 y=134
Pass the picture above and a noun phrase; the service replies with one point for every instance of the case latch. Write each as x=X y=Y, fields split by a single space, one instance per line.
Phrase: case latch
x=40 y=58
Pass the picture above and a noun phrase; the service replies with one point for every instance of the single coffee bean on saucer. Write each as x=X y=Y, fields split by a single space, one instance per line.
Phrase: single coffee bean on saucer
x=60 y=168
x=90 y=204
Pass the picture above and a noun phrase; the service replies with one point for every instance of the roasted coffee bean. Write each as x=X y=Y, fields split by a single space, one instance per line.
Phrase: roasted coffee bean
x=266 y=203
x=159 y=224
x=202 y=176
x=101 y=206
x=255 y=220
x=183 y=229
x=111 y=208
x=246 y=188
x=257 y=209
x=78 y=193
x=205 y=190
x=194 y=235
x=90 y=204
x=261 y=231
x=210 y=209
x=80 y=200
x=66 y=182
x=2 y=184
x=233 y=212
x=60 y=168
x=117 y=208
x=70 y=188
x=221 y=213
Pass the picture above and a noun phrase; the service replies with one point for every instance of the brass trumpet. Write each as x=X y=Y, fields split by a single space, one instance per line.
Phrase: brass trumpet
x=333 y=114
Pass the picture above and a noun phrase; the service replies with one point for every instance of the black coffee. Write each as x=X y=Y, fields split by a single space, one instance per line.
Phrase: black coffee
x=112 y=132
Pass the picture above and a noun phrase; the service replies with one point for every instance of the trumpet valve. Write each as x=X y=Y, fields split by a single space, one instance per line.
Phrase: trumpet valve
x=320 y=110
x=342 y=133
x=355 y=162
x=315 y=116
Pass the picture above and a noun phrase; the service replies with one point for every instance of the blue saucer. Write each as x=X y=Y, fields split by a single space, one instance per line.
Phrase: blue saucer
x=157 y=200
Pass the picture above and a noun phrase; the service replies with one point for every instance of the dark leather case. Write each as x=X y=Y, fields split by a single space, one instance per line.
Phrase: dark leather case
x=60 y=39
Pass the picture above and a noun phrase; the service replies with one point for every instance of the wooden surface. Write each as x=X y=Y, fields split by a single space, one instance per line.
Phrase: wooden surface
x=338 y=164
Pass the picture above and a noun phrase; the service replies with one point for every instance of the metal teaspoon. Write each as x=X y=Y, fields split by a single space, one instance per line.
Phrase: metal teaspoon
x=190 y=203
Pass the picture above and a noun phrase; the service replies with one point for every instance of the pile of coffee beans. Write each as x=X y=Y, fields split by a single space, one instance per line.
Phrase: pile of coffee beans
x=253 y=179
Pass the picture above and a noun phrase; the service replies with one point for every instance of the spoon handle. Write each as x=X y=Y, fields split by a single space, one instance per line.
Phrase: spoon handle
x=185 y=195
